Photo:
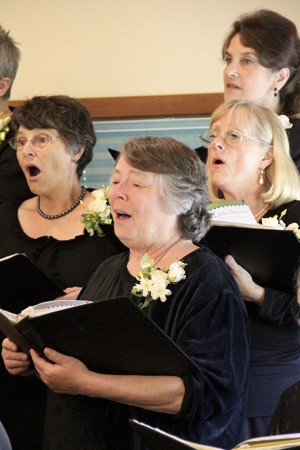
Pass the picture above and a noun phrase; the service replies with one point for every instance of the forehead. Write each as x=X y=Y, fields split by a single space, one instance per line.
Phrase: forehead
x=233 y=120
x=124 y=168
x=23 y=130
x=236 y=45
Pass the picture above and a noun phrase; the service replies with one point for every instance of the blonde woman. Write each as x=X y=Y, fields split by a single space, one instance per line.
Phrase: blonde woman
x=248 y=158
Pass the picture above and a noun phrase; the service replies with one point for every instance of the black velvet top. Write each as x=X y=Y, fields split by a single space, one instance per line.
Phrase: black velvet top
x=205 y=315
x=275 y=340
x=68 y=263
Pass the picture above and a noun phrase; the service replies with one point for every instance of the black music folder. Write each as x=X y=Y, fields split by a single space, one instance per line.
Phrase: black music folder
x=271 y=256
x=112 y=336
x=23 y=284
x=156 y=439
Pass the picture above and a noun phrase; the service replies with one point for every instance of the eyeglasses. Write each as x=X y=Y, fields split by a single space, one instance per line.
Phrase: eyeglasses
x=39 y=141
x=230 y=137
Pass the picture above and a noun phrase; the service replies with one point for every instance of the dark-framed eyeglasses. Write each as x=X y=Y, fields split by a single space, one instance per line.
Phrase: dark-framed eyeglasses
x=230 y=137
x=39 y=141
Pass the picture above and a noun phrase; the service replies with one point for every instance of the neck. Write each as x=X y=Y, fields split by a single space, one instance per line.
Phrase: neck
x=54 y=210
x=165 y=250
x=4 y=105
x=157 y=253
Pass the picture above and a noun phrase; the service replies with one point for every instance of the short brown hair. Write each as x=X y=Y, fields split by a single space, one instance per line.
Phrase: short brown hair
x=277 y=44
x=64 y=114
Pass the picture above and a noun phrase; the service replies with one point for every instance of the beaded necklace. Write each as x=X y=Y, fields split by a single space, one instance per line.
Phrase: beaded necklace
x=62 y=214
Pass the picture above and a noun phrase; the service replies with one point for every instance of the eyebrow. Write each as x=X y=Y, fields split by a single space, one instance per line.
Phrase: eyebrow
x=243 y=53
x=131 y=171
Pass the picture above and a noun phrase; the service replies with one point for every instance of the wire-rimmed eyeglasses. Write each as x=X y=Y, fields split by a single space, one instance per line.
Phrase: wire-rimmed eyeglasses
x=230 y=137
x=39 y=141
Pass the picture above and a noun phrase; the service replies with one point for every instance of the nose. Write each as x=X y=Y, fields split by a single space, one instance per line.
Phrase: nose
x=28 y=148
x=119 y=191
x=231 y=70
x=219 y=142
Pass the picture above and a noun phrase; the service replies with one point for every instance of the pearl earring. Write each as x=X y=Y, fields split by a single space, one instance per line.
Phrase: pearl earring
x=261 y=180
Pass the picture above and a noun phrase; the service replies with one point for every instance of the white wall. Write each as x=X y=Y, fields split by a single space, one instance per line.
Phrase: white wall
x=105 y=48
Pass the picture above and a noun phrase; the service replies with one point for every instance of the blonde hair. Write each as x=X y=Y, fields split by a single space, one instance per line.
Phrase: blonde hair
x=282 y=177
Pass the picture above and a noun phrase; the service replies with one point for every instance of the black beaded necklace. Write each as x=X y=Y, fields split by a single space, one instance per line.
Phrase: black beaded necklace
x=64 y=213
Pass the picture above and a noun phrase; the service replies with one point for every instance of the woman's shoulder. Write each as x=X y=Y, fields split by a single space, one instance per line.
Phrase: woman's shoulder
x=113 y=263
x=10 y=209
x=205 y=264
x=292 y=213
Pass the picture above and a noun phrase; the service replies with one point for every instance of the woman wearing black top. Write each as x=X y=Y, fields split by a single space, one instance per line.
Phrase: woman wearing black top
x=248 y=158
x=261 y=54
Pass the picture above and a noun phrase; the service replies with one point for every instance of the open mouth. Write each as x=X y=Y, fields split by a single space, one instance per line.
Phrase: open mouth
x=218 y=162
x=33 y=171
x=232 y=86
x=122 y=215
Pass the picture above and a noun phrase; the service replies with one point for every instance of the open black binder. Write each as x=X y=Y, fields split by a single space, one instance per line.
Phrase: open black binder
x=112 y=336
x=22 y=284
x=156 y=439
x=271 y=256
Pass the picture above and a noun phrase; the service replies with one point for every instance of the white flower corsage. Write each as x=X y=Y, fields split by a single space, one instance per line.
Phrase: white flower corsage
x=153 y=283
x=99 y=212
x=279 y=224
x=4 y=128
x=285 y=121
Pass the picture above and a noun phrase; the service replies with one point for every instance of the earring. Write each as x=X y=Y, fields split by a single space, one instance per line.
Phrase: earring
x=261 y=180
x=275 y=92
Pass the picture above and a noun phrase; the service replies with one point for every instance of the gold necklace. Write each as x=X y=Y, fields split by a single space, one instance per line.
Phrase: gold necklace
x=166 y=251
x=262 y=210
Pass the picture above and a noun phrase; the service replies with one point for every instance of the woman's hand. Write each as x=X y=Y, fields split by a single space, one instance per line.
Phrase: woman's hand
x=71 y=293
x=251 y=291
x=16 y=362
x=62 y=374
x=67 y=375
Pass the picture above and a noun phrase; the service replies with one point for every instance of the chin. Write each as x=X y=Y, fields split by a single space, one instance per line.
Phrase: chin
x=229 y=96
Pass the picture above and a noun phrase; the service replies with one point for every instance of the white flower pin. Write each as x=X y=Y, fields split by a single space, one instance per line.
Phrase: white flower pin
x=153 y=283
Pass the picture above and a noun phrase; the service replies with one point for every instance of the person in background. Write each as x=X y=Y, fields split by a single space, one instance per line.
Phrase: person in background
x=158 y=197
x=286 y=418
x=261 y=54
x=12 y=180
x=53 y=141
x=248 y=159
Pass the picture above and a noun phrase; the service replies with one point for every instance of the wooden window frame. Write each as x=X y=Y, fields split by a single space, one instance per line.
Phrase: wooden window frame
x=184 y=105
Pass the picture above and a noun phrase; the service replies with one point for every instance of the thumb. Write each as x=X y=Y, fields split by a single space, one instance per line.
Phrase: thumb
x=54 y=356
x=231 y=262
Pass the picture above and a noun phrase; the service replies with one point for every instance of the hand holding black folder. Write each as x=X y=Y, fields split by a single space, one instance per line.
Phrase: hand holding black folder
x=112 y=336
x=271 y=256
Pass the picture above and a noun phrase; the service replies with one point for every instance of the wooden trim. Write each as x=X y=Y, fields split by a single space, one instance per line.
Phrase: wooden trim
x=149 y=106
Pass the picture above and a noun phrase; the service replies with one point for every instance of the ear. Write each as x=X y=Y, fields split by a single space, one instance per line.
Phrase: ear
x=77 y=156
x=5 y=82
x=282 y=77
x=268 y=158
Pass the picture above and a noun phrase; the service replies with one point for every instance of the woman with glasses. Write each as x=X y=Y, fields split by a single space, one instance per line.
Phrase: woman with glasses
x=53 y=140
x=159 y=198
x=261 y=55
x=248 y=158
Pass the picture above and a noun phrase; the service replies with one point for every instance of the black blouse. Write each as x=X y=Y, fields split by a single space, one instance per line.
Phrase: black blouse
x=205 y=315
